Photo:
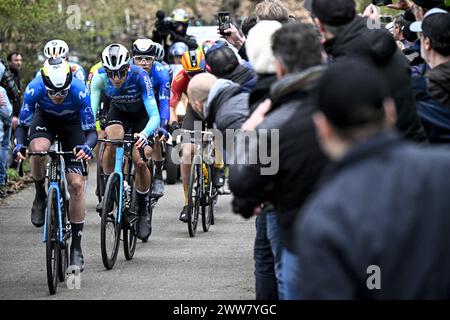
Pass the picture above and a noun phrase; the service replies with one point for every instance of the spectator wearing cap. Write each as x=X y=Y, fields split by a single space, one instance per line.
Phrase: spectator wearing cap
x=372 y=224
x=434 y=33
x=222 y=62
x=297 y=51
x=347 y=34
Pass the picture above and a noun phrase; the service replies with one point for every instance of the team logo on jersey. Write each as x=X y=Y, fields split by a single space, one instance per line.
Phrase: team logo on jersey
x=83 y=95
x=29 y=91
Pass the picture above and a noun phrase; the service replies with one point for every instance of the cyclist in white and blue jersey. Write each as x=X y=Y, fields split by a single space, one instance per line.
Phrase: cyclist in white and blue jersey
x=133 y=106
x=57 y=104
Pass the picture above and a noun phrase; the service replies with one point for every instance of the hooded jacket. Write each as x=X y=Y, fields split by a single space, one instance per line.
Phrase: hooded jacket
x=379 y=47
x=439 y=83
x=300 y=158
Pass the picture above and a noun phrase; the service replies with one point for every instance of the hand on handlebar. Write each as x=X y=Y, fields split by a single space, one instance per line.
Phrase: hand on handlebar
x=19 y=152
x=83 y=152
x=162 y=135
x=141 y=140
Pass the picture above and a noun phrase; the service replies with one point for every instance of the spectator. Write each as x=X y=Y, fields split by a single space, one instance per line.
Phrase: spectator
x=265 y=10
x=434 y=33
x=218 y=101
x=297 y=50
x=399 y=24
x=347 y=34
x=268 y=248
x=15 y=65
x=380 y=208
x=222 y=62
x=8 y=83
x=5 y=137
x=247 y=24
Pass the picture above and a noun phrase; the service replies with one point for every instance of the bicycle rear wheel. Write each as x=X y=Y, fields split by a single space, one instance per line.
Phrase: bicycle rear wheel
x=194 y=197
x=207 y=204
x=52 y=244
x=110 y=227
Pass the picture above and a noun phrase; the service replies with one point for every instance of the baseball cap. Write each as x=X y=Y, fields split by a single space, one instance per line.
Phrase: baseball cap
x=334 y=13
x=351 y=92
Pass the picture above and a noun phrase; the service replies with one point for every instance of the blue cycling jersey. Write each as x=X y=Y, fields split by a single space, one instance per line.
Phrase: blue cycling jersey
x=161 y=85
x=76 y=104
x=135 y=93
x=77 y=71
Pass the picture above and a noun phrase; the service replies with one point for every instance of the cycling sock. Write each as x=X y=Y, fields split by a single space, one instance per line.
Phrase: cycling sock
x=40 y=188
x=142 y=200
x=158 y=169
x=77 y=234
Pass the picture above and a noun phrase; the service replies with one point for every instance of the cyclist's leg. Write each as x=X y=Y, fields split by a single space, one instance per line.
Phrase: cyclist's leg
x=143 y=178
x=187 y=151
x=117 y=123
x=71 y=135
x=41 y=137
x=158 y=183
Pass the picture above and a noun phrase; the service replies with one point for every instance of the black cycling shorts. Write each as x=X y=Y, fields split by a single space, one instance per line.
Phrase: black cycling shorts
x=137 y=121
x=69 y=132
x=189 y=121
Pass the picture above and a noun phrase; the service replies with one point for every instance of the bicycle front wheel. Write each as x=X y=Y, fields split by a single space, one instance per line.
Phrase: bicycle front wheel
x=194 y=197
x=110 y=227
x=52 y=245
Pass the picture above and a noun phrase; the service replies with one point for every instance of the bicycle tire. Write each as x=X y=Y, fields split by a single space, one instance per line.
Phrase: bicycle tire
x=64 y=249
x=109 y=255
x=207 y=203
x=129 y=231
x=100 y=183
x=52 y=244
x=194 y=197
x=171 y=167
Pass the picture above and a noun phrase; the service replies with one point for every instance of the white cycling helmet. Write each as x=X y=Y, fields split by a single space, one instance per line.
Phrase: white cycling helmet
x=115 y=57
x=56 y=74
x=56 y=49
x=148 y=47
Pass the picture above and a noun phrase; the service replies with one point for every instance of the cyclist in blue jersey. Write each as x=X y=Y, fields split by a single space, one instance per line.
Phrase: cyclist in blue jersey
x=144 y=55
x=60 y=49
x=133 y=106
x=56 y=104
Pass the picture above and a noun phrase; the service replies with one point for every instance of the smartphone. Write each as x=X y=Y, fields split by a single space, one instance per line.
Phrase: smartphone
x=381 y=3
x=224 y=21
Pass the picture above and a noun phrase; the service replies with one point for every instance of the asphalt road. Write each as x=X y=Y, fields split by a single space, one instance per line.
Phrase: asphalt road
x=212 y=266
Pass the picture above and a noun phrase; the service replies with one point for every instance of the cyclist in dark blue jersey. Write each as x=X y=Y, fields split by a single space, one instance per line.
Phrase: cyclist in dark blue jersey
x=57 y=104
x=145 y=53
x=133 y=106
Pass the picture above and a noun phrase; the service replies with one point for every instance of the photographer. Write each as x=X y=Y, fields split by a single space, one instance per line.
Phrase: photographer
x=171 y=30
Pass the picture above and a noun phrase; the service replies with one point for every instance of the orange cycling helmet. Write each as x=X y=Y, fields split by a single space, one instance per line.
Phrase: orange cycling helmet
x=193 y=61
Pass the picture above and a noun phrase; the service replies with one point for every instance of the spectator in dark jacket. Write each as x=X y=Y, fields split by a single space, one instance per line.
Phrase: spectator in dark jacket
x=268 y=247
x=222 y=62
x=435 y=49
x=378 y=226
x=297 y=50
x=219 y=102
x=8 y=82
x=347 y=34
x=15 y=64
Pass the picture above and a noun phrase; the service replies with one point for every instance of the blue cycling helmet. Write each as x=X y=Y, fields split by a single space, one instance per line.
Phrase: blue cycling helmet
x=178 y=49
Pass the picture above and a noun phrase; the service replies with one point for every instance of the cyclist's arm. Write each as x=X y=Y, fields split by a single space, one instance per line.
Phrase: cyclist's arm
x=148 y=97
x=164 y=96
x=33 y=92
x=87 y=117
x=97 y=85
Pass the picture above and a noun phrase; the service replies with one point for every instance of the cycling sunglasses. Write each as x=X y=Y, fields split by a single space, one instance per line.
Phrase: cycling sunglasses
x=143 y=58
x=58 y=93
x=121 y=73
